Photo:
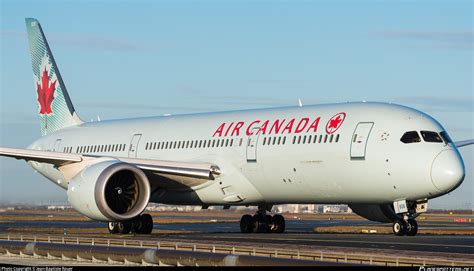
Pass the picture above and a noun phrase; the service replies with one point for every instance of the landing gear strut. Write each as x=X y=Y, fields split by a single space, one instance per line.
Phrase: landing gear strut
x=262 y=223
x=406 y=223
x=142 y=224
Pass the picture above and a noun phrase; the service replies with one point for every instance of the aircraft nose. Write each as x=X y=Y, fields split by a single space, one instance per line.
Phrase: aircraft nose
x=447 y=170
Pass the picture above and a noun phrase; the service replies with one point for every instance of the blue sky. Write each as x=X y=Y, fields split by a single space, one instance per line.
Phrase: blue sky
x=140 y=58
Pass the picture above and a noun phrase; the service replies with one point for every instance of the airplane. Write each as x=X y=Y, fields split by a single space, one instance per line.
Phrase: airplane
x=384 y=160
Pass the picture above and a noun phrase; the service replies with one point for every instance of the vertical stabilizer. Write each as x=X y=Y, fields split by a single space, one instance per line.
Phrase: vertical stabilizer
x=55 y=107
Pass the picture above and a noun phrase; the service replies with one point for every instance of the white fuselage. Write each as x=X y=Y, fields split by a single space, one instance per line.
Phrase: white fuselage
x=368 y=163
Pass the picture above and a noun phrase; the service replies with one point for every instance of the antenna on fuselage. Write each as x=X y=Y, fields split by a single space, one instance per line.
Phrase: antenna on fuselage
x=300 y=103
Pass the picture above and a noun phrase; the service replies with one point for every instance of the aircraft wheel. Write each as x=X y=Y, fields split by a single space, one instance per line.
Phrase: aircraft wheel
x=268 y=223
x=259 y=225
x=146 y=223
x=412 y=227
x=246 y=224
x=399 y=227
x=113 y=227
x=278 y=224
x=124 y=227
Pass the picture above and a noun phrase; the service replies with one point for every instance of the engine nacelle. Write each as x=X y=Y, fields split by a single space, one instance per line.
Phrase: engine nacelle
x=380 y=213
x=109 y=191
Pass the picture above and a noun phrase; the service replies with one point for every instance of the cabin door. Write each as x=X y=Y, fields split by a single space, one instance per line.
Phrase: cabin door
x=252 y=145
x=57 y=144
x=359 y=140
x=132 y=151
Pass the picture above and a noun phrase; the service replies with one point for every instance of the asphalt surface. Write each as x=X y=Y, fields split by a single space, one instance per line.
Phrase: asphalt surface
x=426 y=243
x=298 y=232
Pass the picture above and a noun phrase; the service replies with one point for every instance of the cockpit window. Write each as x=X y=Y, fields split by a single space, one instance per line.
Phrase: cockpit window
x=410 y=137
x=446 y=137
x=429 y=136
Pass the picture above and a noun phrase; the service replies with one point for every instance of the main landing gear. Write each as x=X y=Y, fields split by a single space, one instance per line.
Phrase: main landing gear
x=262 y=223
x=142 y=224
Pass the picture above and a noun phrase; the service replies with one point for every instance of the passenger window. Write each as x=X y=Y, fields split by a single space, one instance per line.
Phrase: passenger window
x=325 y=138
x=429 y=136
x=284 y=140
x=294 y=139
x=410 y=137
x=330 y=139
x=264 y=140
x=279 y=140
x=320 y=138
x=337 y=138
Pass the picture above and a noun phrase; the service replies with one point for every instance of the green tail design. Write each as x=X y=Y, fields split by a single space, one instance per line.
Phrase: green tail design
x=55 y=107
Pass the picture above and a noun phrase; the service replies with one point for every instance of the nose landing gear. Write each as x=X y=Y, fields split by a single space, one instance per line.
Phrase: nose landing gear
x=405 y=223
x=407 y=227
x=262 y=223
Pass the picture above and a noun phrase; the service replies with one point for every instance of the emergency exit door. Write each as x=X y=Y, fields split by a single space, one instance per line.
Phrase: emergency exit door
x=360 y=139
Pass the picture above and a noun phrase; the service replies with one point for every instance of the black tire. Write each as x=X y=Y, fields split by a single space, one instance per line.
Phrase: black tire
x=124 y=227
x=146 y=224
x=259 y=225
x=412 y=227
x=278 y=224
x=399 y=227
x=112 y=226
x=246 y=224
x=269 y=223
x=135 y=225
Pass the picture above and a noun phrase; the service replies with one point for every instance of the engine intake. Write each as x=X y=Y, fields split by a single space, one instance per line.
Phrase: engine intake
x=110 y=191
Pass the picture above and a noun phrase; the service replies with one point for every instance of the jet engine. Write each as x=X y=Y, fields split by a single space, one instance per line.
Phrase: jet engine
x=109 y=191
x=379 y=213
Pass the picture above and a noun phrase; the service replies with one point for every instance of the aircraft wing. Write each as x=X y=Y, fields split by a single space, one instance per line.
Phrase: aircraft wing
x=463 y=143
x=55 y=158
x=170 y=169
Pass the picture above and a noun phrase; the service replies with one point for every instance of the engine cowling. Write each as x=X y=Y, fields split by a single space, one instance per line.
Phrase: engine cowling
x=109 y=191
x=379 y=213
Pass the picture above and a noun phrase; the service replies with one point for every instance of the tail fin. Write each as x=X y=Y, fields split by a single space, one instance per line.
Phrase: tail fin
x=55 y=107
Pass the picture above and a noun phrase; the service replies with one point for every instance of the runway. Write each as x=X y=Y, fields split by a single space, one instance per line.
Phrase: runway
x=224 y=229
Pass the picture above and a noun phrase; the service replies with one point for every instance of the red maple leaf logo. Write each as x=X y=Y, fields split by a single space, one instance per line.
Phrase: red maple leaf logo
x=335 y=122
x=46 y=93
